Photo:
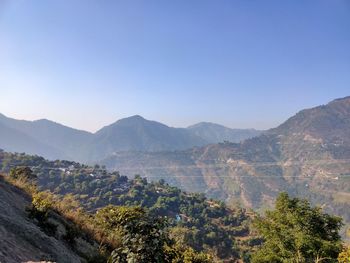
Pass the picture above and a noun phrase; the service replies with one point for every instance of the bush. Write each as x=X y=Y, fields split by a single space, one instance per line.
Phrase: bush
x=41 y=204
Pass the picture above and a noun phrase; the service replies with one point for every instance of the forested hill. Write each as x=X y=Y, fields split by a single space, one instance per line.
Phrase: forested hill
x=204 y=224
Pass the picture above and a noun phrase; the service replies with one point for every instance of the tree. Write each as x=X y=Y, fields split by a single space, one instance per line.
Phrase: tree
x=143 y=237
x=42 y=203
x=297 y=232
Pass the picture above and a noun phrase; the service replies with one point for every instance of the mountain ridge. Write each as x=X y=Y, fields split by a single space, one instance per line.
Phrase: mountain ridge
x=133 y=133
x=138 y=134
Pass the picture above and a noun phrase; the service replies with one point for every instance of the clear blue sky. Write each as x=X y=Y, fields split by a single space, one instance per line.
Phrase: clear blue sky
x=241 y=63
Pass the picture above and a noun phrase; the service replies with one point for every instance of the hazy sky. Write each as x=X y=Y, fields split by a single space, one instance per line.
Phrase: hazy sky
x=239 y=63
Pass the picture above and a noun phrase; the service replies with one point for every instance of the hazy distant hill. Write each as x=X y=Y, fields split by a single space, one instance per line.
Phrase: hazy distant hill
x=308 y=155
x=43 y=137
x=215 y=133
x=16 y=141
x=138 y=134
x=53 y=140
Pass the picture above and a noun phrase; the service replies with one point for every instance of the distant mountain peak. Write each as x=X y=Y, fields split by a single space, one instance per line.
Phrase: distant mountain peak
x=139 y=117
x=134 y=118
x=45 y=121
x=135 y=133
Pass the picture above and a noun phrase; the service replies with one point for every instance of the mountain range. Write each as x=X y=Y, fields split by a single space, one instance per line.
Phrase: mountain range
x=55 y=141
x=308 y=155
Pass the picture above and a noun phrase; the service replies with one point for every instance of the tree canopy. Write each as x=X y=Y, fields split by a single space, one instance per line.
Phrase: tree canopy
x=143 y=238
x=296 y=232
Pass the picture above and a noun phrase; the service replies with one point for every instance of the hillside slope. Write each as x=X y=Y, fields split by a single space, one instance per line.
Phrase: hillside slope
x=16 y=141
x=64 y=142
x=21 y=239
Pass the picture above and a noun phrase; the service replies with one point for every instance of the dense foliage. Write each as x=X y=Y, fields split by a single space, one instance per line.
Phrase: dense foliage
x=115 y=234
x=143 y=238
x=194 y=221
x=297 y=232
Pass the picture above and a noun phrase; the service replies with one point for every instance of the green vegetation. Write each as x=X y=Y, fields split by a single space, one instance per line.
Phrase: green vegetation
x=193 y=220
x=125 y=234
x=143 y=238
x=297 y=232
x=41 y=205
x=137 y=221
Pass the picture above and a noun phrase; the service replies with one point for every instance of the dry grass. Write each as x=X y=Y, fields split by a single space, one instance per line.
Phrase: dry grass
x=22 y=183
